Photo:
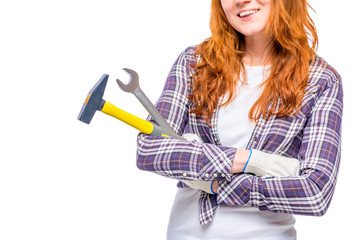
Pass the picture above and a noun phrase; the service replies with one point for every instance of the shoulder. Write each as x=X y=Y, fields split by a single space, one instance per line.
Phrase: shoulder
x=190 y=54
x=324 y=82
x=188 y=59
x=180 y=76
x=322 y=74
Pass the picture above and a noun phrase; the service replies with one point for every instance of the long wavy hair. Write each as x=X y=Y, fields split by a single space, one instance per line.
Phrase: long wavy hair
x=293 y=46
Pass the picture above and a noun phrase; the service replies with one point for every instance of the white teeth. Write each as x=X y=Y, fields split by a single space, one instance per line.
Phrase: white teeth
x=243 y=14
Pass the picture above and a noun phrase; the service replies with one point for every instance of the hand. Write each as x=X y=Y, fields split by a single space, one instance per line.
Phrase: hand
x=272 y=165
x=206 y=186
x=192 y=137
x=240 y=159
x=264 y=164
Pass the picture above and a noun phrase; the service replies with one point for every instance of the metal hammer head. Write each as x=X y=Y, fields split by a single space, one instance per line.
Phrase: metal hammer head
x=133 y=83
x=94 y=100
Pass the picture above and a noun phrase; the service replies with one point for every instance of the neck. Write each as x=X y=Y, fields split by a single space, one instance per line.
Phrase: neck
x=257 y=49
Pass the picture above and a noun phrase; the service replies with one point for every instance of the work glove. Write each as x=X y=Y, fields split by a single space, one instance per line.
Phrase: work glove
x=202 y=185
x=259 y=163
x=271 y=165
x=205 y=186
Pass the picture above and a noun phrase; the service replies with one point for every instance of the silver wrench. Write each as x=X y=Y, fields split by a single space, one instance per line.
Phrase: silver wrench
x=134 y=87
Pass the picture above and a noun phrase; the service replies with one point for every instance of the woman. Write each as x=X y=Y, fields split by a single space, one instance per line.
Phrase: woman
x=268 y=112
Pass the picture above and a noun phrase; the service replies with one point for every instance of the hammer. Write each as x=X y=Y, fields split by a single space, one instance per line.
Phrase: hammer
x=95 y=102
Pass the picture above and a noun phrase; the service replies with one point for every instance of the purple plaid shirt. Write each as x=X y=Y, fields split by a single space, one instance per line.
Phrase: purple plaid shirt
x=313 y=137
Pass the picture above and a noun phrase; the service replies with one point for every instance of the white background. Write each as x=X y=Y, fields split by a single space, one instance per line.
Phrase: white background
x=63 y=179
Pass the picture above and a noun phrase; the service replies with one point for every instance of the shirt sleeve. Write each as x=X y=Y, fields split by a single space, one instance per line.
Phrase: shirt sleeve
x=181 y=159
x=319 y=155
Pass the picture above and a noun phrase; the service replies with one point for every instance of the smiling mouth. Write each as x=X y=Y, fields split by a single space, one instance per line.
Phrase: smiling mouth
x=248 y=13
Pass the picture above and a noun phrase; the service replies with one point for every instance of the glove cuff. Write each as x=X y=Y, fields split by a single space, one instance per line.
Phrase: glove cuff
x=247 y=162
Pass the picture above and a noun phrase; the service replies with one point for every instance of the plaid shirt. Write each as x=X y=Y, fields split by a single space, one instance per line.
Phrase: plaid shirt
x=313 y=137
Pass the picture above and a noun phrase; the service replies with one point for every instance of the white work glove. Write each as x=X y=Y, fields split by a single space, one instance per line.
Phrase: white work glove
x=205 y=186
x=202 y=185
x=261 y=164
x=271 y=165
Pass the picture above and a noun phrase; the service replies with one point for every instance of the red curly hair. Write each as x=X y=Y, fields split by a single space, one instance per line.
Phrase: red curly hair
x=293 y=49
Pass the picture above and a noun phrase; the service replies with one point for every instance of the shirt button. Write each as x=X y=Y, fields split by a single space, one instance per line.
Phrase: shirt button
x=215 y=175
x=207 y=175
x=223 y=175
x=255 y=139
x=184 y=174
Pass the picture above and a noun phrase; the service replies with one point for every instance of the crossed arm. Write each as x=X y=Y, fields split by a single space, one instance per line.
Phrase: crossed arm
x=250 y=161
x=308 y=193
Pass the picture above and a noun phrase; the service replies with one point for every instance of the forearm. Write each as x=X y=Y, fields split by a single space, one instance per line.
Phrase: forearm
x=262 y=164
x=293 y=195
x=184 y=160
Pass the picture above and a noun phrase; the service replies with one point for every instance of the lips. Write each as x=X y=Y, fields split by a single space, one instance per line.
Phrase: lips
x=248 y=13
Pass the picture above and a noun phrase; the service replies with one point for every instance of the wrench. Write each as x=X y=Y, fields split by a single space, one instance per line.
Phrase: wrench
x=134 y=87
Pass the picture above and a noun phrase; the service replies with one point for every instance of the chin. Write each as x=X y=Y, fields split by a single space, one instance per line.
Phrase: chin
x=253 y=32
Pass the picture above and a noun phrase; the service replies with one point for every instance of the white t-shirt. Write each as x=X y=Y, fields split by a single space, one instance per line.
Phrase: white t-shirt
x=245 y=223
x=234 y=126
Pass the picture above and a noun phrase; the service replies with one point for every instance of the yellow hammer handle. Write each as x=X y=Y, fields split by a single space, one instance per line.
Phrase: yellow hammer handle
x=132 y=120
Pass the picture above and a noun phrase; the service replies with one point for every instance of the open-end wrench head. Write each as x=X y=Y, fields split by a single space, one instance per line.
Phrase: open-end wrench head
x=133 y=83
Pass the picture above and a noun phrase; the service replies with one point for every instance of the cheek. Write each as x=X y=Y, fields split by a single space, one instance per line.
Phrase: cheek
x=226 y=6
x=267 y=15
x=267 y=6
x=264 y=2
